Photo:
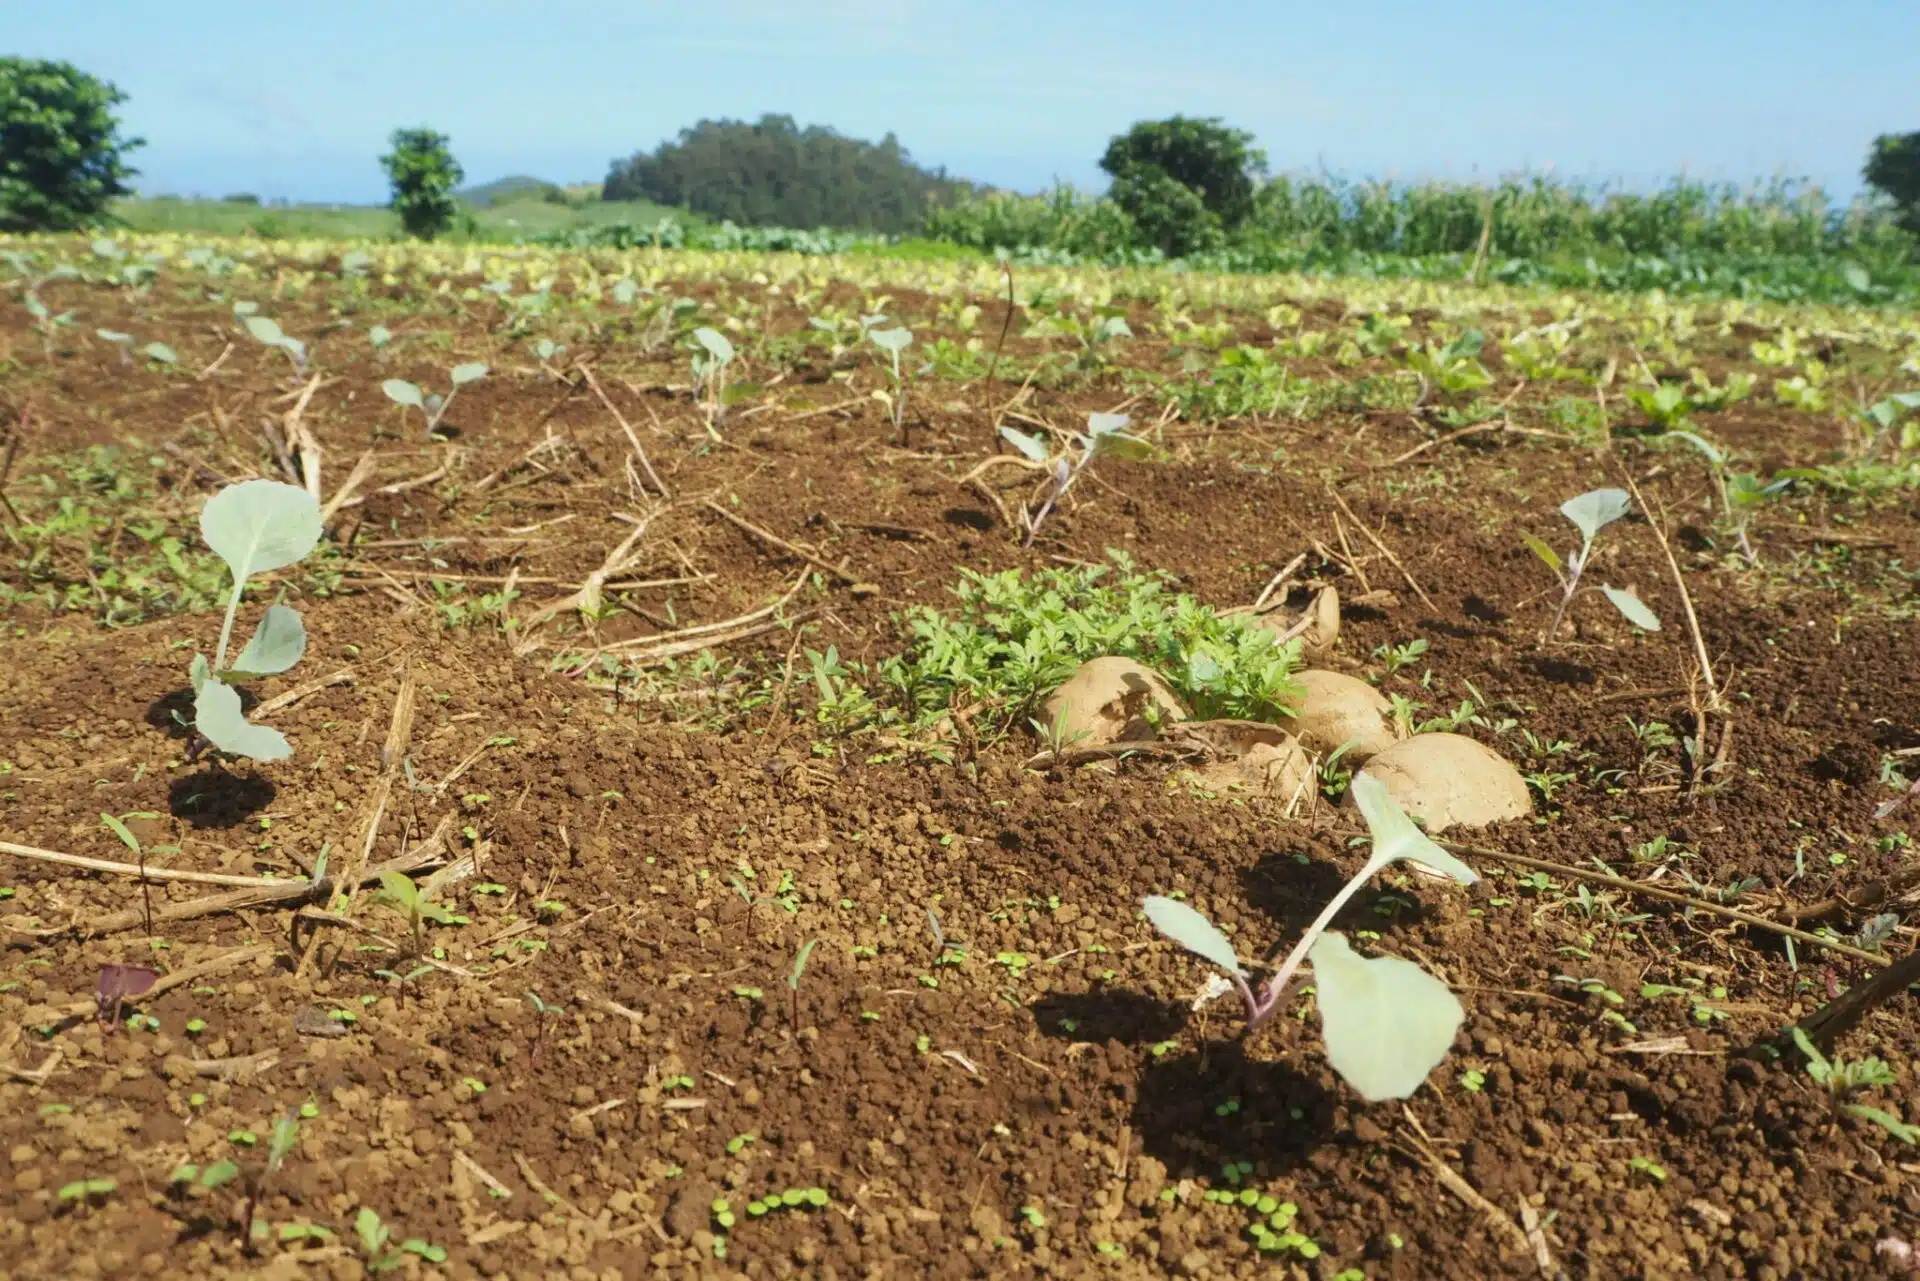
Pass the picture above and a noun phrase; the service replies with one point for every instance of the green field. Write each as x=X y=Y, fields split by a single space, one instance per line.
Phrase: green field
x=506 y=221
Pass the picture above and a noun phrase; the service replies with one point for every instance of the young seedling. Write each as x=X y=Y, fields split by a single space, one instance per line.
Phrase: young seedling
x=1385 y=1021
x=1105 y=434
x=793 y=979
x=268 y=333
x=132 y=842
x=400 y=980
x=710 y=374
x=1742 y=494
x=118 y=984
x=1590 y=513
x=398 y=892
x=1843 y=1078
x=893 y=342
x=542 y=1015
x=433 y=407
x=255 y=526
x=374 y=1235
x=86 y=1192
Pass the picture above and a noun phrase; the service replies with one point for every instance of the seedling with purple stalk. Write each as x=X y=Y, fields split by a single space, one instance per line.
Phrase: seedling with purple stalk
x=433 y=407
x=132 y=842
x=1105 y=434
x=542 y=1012
x=1590 y=513
x=119 y=983
x=1385 y=1021
x=793 y=979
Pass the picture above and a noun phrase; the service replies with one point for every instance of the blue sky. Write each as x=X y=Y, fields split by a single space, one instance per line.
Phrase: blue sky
x=297 y=101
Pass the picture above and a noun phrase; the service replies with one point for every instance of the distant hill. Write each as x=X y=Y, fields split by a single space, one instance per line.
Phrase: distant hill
x=501 y=190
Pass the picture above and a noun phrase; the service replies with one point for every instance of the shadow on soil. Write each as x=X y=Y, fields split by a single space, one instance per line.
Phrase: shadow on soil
x=214 y=798
x=1198 y=1109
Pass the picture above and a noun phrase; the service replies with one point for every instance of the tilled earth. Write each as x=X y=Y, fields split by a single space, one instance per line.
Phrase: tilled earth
x=607 y=1041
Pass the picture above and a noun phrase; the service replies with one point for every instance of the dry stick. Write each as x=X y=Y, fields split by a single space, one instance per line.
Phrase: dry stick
x=780 y=543
x=1825 y=1025
x=1383 y=548
x=133 y=869
x=280 y=893
x=1714 y=703
x=361 y=473
x=299 y=436
x=590 y=591
x=287 y=699
x=6 y=464
x=1451 y=1180
x=1671 y=896
x=1274 y=584
x=627 y=427
x=405 y=486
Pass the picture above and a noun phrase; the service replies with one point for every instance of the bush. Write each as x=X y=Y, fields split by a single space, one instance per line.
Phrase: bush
x=1893 y=169
x=424 y=174
x=62 y=159
x=1184 y=182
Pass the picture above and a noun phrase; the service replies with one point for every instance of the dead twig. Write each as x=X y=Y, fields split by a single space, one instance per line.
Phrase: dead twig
x=779 y=543
x=633 y=438
x=1383 y=549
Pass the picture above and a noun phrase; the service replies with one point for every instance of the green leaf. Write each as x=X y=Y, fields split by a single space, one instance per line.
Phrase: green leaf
x=1887 y=1121
x=198 y=671
x=1192 y=931
x=402 y=392
x=1544 y=552
x=472 y=371
x=892 y=340
x=1701 y=443
x=1026 y=444
x=715 y=342
x=276 y=646
x=114 y=335
x=161 y=352
x=1386 y=1022
x=217 y=714
x=1632 y=608
x=379 y=336
x=1856 y=277
x=266 y=331
x=1595 y=510
x=1114 y=444
x=120 y=830
x=1395 y=836
x=260 y=525
x=400 y=887
x=1104 y=424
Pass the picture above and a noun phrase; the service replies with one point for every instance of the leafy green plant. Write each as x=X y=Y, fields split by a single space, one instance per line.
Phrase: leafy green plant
x=1590 y=513
x=86 y=1191
x=1105 y=435
x=267 y=333
x=255 y=526
x=423 y=175
x=1386 y=1023
x=62 y=158
x=434 y=407
x=710 y=365
x=1453 y=368
x=1013 y=636
x=399 y=892
x=1666 y=405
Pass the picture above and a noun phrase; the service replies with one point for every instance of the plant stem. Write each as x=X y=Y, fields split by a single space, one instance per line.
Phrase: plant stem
x=1573 y=585
x=1270 y=998
x=226 y=626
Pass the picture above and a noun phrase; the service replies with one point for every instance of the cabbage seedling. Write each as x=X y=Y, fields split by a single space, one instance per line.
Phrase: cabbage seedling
x=1105 y=434
x=255 y=526
x=268 y=333
x=1385 y=1021
x=1590 y=513
x=117 y=984
x=398 y=892
x=893 y=342
x=433 y=407
x=1741 y=493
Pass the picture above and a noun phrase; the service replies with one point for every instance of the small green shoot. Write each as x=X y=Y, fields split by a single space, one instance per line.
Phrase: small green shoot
x=433 y=407
x=1590 y=513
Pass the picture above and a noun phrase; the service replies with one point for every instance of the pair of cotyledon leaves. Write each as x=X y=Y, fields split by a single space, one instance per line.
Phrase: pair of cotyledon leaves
x=1385 y=1021
x=255 y=526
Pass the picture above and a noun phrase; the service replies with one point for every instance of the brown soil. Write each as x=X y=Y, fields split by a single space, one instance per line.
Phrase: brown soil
x=1050 y=1105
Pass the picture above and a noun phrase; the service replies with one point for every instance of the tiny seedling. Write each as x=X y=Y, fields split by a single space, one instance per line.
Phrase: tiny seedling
x=1843 y=1078
x=86 y=1192
x=793 y=979
x=255 y=526
x=1742 y=494
x=374 y=1236
x=132 y=842
x=1385 y=1021
x=400 y=980
x=1105 y=434
x=542 y=1015
x=120 y=983
x=893 y=342
x=398 y=891
x=710 y=375
x=433 y=407
x=1590 y=513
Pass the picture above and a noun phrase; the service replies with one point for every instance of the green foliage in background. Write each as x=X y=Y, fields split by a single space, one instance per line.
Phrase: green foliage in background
x=423 y=174
x=1185 y=183
x=62 y=159
x=1893 y=169
x=772 y=173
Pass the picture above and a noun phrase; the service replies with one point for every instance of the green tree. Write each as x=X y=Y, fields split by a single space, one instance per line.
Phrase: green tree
x=772 y=173
x=1185 y=182
x=424 y=174
x=1893 y=169
x=62 y=159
